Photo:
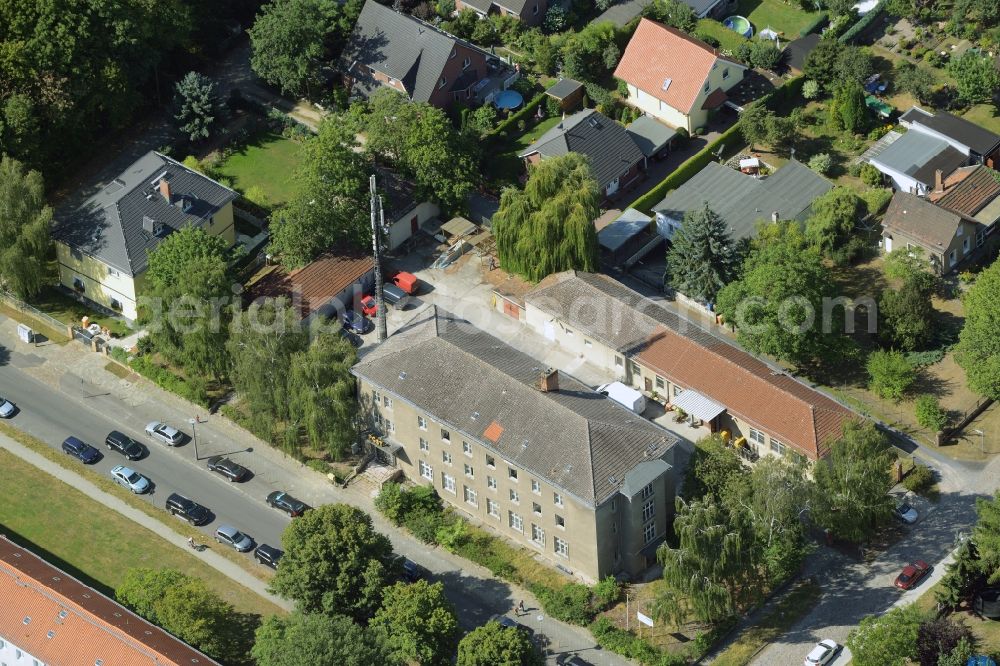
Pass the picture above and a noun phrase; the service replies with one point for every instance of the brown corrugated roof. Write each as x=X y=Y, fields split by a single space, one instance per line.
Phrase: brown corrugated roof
x=972 y=192
x=315 y=284
x=60 y=621
x=750 y=390
x=657 y=53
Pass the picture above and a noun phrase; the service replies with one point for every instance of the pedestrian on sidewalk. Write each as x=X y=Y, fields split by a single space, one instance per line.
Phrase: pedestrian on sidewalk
x=520 y=608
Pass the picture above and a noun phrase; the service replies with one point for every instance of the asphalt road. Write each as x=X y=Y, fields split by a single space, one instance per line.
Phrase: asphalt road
x=51 y=418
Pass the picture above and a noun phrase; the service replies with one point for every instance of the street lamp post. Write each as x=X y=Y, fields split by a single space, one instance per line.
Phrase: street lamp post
x=194 y=436
x=982 y=440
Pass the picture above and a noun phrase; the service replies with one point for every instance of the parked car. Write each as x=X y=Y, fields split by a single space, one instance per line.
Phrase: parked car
x=268 y=555
x=906 y=513
x=125 y=445
x=189 y=510
x=227 y=468
x=357 y=322
x=395 y=297
x=230 y=536
x=80 y=450
x=285 y=502
x=369 y=306
x=505 y=621
x=7 y=408
x=351 y=337
x=408 y=282
x=823 y=653
x=131 y=479
x=410 y=571
x=911 y=575
x=169 y=435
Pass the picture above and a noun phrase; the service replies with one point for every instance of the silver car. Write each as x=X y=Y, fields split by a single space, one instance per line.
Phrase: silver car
x=231 y=536
x=131 y=479
x=169 y=435
x=6 y=408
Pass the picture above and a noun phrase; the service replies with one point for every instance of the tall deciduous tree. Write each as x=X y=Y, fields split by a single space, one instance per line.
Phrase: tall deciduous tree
x=334 y=562
x=907 y=314
x=197 y=105
x=851 y=485
x=701 y=260
x=976 y=76
x=978 y=350
x=492 y=644
x=25 y=220
x=753 y=123
x=713 y=467
x=854 y=114
x=417 y=623
x=834 y=215
x=332 y=203
x=321 y=390
x=886 y=640
x=986 y=536
x=187 y=305
x=318 y=640
x=890 y=374
x=914 y=79
x=549 y=226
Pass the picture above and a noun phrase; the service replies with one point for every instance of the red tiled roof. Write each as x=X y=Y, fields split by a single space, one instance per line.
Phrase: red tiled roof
x=658 y=52
x=59 y=620
x=750 y=390
x=715 y=99
x=315 y=284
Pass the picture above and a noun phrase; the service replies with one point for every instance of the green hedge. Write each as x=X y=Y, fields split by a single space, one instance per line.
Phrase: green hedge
x=629 y=645
x=685 y=171
x=528 y=109
x=194 y=391
x=815 y=25
x=863 y=22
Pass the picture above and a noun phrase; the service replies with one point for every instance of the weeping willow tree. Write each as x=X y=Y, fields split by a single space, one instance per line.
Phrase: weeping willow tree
x=549 y=226
x=713 y=571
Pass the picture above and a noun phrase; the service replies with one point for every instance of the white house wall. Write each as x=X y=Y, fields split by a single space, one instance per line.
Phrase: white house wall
x=400 y=230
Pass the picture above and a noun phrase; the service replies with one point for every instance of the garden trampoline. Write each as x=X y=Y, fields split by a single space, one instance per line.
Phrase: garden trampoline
x=508 y=100
x=739 y=24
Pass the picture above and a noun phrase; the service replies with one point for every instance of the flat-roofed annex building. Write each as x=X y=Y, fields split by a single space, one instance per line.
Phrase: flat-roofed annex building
x=532 y=453
x=49 y=618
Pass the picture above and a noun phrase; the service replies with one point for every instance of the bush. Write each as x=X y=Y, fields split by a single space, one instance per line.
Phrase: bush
x=851 y=34
x=810 y=90
x=821 y=163
x=391 y=502
x=552 y=107
x=570 y=603
x=607 y=593
x=929 y=413
x=919 y=480
x=870 y=175
x=193 y=389
x=318 y=465
x=555 y=19
x=255 y=194
x=890 y=374
x=922 y=359
x=628 y=644
x=451 y=534
x=424 y=524
x=876 y=199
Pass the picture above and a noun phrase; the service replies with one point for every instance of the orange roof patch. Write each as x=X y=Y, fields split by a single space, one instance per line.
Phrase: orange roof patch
x=493 y=432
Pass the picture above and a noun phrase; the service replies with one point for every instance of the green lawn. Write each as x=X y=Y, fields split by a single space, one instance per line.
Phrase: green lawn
x=728 y=39
x=70 y=311
x=507 y=167
x=785 y=18
x=267 y=160
x=94 y=543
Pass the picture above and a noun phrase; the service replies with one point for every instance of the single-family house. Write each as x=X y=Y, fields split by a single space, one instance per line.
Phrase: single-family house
x=914 y=161
x=529 y=12
x=762 y=409
x=615 y=159
x=947 y=237
x=103 y=244
x=417 y=59
x=742 y=200
x=675 y=77
x=529 y=452
x=324 y=288
x=973 y=191
x=979 y=144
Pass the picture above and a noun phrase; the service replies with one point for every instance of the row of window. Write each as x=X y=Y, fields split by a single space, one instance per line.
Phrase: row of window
x=778 y=447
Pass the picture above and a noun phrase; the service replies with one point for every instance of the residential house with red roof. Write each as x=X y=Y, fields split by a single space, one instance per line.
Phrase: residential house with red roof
x=674 y=77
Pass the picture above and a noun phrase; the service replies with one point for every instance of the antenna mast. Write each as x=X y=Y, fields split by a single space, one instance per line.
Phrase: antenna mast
x=378 y=223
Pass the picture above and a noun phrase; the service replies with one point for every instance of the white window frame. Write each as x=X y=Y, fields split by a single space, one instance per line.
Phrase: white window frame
x=512 y=474
x=469 y=471
x=560 y=522
x=387 y=402
x=491 y=482
x=647 y=491
x=426 y=471
x=491 y=462
x=466 y=448
x=536 y=487
x=424 y=445
x=470 y=496
x=536 y=508
x=557 y=499
x=493 y=508
x=514 y=497
x=649 y=532
x=560 y=547
x=448 y=483
x=515 y=522
x=421 y=423
x=537 y=535
x=446 y=457
x=648 y=510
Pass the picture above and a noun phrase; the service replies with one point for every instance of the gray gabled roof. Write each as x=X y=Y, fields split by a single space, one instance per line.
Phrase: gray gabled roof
x=400 y=46
x=478 y=386
x=919 y=155
x=612 y=150
x=112 y=225
x=919 y=218
x=978 y=138
x=742 y=200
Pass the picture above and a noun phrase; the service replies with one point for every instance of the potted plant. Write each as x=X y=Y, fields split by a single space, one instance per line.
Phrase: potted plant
x=681 y=415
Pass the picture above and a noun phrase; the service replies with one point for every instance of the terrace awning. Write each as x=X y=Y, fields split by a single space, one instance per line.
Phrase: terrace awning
x=698 y=405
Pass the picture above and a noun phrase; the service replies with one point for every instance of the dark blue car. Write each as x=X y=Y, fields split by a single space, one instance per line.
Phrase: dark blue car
x=82 y=451
x=357 y=322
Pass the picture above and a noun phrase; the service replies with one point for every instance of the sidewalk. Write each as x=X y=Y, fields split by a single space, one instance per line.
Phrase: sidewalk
x=214 y=560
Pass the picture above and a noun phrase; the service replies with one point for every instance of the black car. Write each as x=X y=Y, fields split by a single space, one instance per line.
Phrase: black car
x=189 y=510
x=125 y=445
x=82 y=451
x=268 y=555
x=228 y=468
x=508 y=623
x=412 y=572
x=287 y=503
x=357 y=322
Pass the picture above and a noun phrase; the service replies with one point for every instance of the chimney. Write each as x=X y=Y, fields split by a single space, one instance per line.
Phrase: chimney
x=165 y=189
x=938 y=181
x=774 y=216
x=549 y=381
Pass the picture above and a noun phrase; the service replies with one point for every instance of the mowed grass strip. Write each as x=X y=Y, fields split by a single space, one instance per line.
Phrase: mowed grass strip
x=93 y=542
x=789 y=610
x=269 y=161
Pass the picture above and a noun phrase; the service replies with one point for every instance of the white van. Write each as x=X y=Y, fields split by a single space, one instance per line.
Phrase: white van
x=625 y=396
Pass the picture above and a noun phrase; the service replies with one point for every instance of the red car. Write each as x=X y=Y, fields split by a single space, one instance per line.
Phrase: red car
x=368 y=306
x=911 y=575
x=408 y=282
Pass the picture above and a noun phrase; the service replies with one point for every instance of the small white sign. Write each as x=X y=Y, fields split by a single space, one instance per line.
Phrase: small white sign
x=645 y=619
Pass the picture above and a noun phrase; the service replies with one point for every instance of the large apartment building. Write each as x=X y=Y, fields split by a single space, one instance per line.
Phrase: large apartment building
x=49 y=618
x=532 y=453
